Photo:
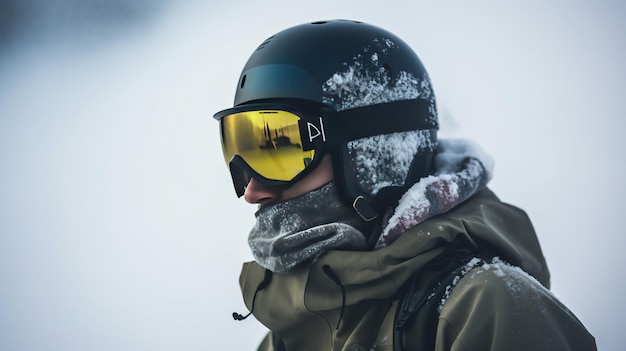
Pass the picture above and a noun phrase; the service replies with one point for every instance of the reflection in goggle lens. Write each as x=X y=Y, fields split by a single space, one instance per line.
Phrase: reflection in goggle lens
x=269 y=141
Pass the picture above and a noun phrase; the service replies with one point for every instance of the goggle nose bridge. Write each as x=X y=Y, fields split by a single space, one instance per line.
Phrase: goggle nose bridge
x=241 y=173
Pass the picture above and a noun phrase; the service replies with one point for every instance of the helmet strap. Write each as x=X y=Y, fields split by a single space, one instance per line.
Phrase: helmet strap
x=348 y=188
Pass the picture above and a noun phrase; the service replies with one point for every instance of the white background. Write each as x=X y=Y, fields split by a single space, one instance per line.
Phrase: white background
x=119 y=229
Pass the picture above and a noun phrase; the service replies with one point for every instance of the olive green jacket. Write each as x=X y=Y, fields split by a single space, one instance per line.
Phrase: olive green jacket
x=494 y=306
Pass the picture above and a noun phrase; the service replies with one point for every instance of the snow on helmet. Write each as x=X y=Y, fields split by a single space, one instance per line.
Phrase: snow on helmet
x=343 y=65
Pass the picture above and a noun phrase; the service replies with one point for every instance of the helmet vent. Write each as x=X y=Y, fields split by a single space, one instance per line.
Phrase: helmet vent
x=265 y=42
x=319 y=22
x=243 y=81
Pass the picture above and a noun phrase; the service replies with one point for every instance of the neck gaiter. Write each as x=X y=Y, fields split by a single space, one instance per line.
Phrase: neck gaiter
x=303 y=228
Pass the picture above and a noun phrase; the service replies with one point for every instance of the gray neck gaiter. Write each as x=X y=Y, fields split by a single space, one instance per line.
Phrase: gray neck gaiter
x=303 y=228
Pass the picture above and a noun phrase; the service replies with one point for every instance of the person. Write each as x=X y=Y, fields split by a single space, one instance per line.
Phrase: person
x=372 y=234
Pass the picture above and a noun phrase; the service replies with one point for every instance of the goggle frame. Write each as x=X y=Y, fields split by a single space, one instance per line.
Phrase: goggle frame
x=326 y=129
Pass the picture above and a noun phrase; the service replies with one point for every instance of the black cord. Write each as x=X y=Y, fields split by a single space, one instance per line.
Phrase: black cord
x=329 y=272
x=266 y=280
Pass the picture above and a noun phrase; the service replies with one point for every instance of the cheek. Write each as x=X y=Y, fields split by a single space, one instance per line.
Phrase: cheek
x=318 y=178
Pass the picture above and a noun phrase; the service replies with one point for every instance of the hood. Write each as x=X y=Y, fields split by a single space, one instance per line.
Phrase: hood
x=306 y=298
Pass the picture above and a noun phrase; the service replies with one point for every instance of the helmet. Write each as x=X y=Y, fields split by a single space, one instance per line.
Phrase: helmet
x=344 y=65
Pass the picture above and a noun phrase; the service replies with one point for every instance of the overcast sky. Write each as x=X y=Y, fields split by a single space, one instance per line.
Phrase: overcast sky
x=119 y=229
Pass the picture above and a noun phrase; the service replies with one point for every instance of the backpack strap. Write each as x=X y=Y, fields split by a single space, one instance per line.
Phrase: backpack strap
x=447 y=271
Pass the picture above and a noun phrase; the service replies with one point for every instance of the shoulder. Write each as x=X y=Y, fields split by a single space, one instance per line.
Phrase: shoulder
x=497 y=280
x=497 y=306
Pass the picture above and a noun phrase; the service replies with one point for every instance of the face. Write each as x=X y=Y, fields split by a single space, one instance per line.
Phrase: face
x=257 y=193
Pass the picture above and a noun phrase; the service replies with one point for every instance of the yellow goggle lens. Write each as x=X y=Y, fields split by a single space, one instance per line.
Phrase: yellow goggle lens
x=268 y=141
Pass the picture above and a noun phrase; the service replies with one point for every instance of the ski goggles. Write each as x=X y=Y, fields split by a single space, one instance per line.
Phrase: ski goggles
x=273 y=142
x=281 y=143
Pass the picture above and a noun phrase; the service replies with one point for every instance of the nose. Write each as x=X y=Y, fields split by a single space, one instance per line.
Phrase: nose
x=257 y=193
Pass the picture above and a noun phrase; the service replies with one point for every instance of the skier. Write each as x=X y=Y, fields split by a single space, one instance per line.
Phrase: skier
x=372 y=234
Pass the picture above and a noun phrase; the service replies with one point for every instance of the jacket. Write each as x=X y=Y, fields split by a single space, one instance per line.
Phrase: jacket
x=347 y=300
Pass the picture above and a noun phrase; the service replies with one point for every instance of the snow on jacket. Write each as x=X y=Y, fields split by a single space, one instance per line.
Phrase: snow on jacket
x=501 y=305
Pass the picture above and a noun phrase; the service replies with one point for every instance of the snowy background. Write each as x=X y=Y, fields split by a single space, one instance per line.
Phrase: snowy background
x=119 y=229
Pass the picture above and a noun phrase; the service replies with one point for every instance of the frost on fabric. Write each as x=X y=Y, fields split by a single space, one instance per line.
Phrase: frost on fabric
x=473 y=263
x=391 y=155
x=452 y=152
x=290 y=232
x=459 y=174
x=521 y=286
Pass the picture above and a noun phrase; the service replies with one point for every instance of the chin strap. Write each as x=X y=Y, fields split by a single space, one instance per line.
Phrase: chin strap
x=349 y=190
x=364 y=209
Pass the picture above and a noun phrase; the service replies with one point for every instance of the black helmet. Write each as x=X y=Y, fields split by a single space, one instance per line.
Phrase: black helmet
x=345 y=65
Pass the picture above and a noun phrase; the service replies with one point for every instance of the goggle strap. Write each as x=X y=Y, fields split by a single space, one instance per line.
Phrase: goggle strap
x=378 y=119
